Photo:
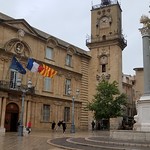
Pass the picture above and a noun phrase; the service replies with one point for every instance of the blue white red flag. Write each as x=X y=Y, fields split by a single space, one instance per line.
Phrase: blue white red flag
x=32 y=65
x=17 y=66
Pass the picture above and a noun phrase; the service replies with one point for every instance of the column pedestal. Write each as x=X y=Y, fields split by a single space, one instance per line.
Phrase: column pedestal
x=2 y=130
x=143 y=114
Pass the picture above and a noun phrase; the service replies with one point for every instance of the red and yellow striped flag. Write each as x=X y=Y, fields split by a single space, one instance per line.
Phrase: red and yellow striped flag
x=47 y=71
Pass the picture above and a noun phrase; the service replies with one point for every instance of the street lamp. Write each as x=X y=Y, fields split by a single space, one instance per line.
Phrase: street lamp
x=73 y=98
x=24 y=90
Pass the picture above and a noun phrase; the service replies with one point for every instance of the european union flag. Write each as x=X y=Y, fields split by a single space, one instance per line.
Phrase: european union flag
x=17 y=66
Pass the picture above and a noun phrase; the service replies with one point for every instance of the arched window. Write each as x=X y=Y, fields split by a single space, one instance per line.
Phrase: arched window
x=104 y=37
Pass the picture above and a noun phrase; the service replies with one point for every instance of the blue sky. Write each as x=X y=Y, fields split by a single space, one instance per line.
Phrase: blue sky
x=71 y=21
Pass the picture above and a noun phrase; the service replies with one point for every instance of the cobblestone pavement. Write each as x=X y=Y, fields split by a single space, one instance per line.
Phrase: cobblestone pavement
x=37 y=140
x=33 y=141
x=42 y=140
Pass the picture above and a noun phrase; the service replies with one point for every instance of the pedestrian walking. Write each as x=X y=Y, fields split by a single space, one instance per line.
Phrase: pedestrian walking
x=18 y=123
x=93 y=125
x=64 y=126
x=59 y=124
x=53 y=125
x=28 y=127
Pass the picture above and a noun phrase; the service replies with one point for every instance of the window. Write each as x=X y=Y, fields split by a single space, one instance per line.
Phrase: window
x=67 y=114
x=69 y=60
x=104 y=37
x=49 y=53
x=46 y=113
x=47 y=84
x=67 y=86
x=13 y=79
x=103 y=63
x=103 y=68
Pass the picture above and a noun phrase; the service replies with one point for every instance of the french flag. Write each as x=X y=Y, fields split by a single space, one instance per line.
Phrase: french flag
x=33 y=66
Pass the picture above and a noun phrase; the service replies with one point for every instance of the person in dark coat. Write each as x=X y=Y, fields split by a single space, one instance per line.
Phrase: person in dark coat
x=64 y=126
x=59 y=124
x=93 y=125
x=53 y=125
x=18 y=123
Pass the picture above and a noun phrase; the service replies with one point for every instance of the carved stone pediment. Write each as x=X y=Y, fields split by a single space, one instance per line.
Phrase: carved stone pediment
x=21 y=24
x=18 y=47
x=52 y=42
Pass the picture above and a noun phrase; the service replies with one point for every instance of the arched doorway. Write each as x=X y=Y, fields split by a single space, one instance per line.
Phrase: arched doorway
x=11 y=117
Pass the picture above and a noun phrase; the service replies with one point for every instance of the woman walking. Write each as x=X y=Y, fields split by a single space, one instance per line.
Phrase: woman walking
x=29 y=127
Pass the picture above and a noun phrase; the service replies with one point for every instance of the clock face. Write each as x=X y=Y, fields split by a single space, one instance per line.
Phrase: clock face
x=104 y=22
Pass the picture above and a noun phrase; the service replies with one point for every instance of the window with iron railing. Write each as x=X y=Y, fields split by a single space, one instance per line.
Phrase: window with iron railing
x=67 y=86
x=13 y=79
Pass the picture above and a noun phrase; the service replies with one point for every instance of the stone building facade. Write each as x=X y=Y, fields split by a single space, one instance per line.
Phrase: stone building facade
x=133 y=87
x=128 y=83
x=48 y=100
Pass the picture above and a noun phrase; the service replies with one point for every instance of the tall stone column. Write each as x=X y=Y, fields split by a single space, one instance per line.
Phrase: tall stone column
x=0 y=108
x=145 y=31
x=25 y=114
x=2 y=129
x=29 y=112
x=143 y=104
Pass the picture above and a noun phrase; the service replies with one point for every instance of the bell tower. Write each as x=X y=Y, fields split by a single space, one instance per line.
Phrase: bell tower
x=106 y=44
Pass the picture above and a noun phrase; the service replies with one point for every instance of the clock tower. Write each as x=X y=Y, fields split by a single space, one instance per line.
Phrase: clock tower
x=106 y=44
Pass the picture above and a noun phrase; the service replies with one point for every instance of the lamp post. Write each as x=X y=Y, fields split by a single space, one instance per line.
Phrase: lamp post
x=73 y=98
x=24 y=90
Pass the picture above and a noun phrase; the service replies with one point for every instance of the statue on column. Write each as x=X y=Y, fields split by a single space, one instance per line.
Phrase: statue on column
x=145 y=20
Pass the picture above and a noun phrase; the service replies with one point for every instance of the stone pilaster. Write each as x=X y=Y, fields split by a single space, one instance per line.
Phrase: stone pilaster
x=2 y=129
x=0 y=107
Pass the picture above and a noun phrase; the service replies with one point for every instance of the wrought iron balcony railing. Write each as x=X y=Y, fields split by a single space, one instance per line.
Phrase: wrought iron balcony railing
x=103 y=4
x=10 y=86
x=98 y=39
